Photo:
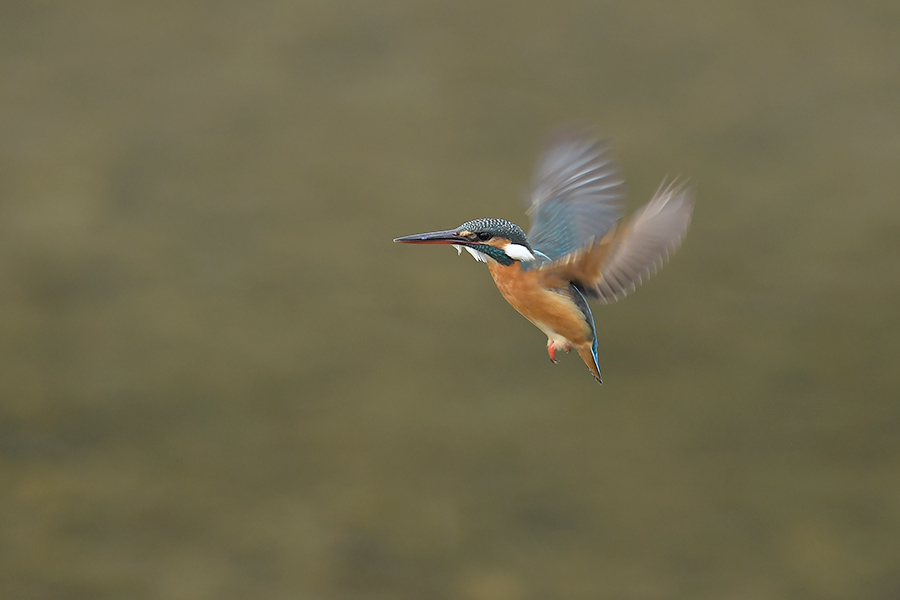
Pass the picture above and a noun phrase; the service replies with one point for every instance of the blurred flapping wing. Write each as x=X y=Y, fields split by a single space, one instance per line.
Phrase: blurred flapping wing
x=639 y=247
x=576 y=196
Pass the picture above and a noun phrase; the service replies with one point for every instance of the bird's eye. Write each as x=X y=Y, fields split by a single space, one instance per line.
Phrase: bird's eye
x=483 y=236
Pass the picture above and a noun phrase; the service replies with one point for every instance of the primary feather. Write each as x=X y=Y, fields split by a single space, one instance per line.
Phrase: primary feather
x=576 y=208
x=644 y=243
x=576 y=196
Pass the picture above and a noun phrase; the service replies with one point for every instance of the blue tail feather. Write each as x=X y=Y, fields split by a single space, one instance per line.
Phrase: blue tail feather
x=581 y=303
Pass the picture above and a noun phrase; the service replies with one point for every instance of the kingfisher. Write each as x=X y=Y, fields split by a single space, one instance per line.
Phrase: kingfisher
x=578 y=247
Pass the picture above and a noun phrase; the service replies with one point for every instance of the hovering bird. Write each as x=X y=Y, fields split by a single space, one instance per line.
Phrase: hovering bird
x=578 y=247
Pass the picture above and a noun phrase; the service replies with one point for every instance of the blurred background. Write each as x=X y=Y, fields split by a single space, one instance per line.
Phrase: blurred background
x=220 y=379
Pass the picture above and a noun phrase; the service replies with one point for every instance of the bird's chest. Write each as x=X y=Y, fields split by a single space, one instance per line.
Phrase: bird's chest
x=522 y=289
x=548 y=307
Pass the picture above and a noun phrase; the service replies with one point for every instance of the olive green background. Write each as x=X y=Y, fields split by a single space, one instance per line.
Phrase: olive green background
x=220 y=379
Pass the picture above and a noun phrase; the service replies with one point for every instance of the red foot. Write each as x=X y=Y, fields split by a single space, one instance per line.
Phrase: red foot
x=551 y=350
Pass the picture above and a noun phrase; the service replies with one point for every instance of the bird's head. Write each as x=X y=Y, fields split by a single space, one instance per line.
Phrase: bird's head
x=484 y=239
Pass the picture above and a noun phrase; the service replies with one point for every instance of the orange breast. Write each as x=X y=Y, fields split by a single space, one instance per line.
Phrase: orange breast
x=553 y=312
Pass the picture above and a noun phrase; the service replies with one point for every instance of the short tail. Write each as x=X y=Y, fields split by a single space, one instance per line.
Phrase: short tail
x=588 y=353
x=588 y=350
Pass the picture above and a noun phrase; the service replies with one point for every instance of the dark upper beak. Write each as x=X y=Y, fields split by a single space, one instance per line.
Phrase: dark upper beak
x=435 y=237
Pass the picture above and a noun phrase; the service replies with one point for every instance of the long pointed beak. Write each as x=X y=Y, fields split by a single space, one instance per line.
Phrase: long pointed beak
x=435 y=237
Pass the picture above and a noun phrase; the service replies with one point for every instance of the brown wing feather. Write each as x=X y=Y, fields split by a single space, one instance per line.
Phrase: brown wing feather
x=632 y=251
x=584 y=266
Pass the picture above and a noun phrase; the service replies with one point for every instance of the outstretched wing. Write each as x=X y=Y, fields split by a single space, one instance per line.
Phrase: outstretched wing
x=634 y=250
x=576 y=196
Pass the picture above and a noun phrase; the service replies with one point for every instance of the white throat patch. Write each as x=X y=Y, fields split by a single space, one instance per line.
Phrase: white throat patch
x=475 y=253
x=514 y=251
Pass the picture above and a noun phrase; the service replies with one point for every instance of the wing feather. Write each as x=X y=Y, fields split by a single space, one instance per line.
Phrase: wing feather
x=576 y=196
x=629 y=253
x=644 y=244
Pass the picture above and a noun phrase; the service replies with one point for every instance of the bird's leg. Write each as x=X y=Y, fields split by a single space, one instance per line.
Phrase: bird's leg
x=551 y=350
x=552 y=347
